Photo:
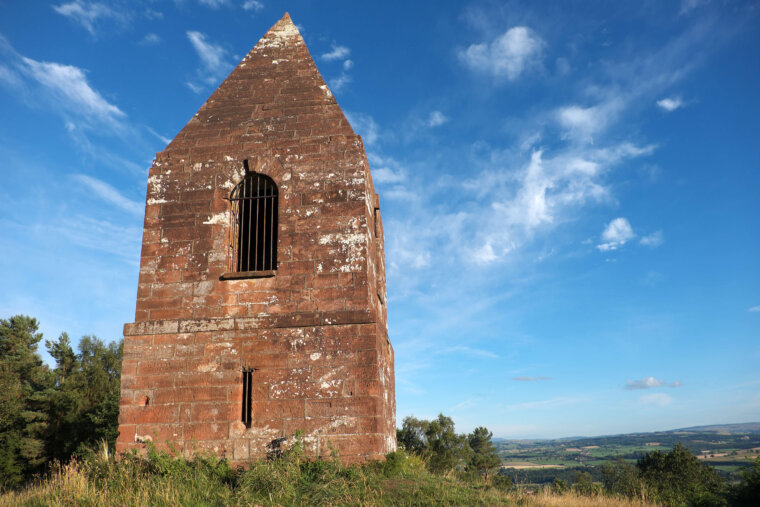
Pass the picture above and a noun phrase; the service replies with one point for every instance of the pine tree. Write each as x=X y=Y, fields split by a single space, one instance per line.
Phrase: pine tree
x=484 y=457
x=25 y=384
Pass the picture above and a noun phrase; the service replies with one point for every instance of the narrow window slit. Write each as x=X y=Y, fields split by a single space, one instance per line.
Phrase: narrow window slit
x=247 y=408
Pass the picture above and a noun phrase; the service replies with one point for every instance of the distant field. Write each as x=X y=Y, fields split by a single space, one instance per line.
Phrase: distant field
x=542 y=460
x=524 y=465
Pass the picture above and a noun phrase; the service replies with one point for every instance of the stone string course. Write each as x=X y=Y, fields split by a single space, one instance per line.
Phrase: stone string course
x=316 y=332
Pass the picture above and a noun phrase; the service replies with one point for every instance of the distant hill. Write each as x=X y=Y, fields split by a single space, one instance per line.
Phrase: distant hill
x=730 y=429
x=750 y=427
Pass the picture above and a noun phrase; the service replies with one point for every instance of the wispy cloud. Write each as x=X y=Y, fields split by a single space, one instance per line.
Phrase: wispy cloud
x=100 y=235
x=214 y=63
x=616 y=234
x=659 y=399
x=337 y=53
x=214 y=4
x=435 y=119
x=364 y=125
x=509 y=55
x=109 y=194
x=87 y=14
x=69 y=86
x=670 y=103
x=754 y=309
x=158 y=136
x=653 y=240
x=252 y=5
x=649 y=383
x=339 y=82
x=530 y=379
x=469 y=351
x=150 y=39
x=544 y=404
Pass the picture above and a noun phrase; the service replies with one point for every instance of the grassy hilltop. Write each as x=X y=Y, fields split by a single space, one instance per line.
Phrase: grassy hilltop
x=160 y=479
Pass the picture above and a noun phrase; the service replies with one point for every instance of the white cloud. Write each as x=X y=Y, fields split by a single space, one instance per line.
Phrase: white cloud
x=9 y=77
x=649 y=383
x=616 y=234
x=515 y=51
x=337 y=53
x=653 y=240
x=86 y=13
x=109 y=194
x=214 y=4
x=152 y=14
x=364 y=125
x=754 y=309
x=252 y=5
x=582 y=123
x=530 y=379
x=150 y=39
x=435 y=119
x=670 y=103
x=213 y=60
x=70 y=87
x=348 y=64
x=387 y=175
x=339 y=82
x=659 y=399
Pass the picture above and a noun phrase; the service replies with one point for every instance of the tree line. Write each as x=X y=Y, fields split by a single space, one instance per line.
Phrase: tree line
x=676 y=477
x=53 y=413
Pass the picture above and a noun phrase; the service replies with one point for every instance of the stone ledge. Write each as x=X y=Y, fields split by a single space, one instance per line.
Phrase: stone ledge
x=263 y=321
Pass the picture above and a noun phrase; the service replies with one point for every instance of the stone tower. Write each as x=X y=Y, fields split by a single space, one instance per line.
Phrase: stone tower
x=261 y=298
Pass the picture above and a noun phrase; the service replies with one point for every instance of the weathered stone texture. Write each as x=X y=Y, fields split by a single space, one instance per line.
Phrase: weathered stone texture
x=316 y=332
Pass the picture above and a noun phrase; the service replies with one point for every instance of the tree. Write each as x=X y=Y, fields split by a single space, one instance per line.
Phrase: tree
x=621 y=478
x=747 y=492
x=678 y=476
x=84 y=408
x=435 y=441
x=25 y=383
x=412 y=435
x=51 y=414
x=484 y=457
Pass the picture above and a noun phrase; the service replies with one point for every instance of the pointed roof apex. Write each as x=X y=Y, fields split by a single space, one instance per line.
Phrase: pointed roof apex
x=284 y=28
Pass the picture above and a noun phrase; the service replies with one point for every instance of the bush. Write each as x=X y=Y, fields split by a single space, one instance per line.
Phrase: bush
x=502 y=482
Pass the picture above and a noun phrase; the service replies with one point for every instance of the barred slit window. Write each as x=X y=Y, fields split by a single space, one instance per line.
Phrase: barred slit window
x=253 y=227
x=247 y=408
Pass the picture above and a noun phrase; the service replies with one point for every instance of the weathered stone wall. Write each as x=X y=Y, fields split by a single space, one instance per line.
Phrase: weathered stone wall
x=316 y=332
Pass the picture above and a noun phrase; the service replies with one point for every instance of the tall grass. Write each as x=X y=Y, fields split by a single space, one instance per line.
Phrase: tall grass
x=160 y=479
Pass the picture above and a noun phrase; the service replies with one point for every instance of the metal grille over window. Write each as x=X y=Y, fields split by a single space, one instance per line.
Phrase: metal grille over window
x=254 y=226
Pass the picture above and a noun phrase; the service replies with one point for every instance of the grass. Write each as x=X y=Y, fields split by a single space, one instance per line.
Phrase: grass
x=160 y=479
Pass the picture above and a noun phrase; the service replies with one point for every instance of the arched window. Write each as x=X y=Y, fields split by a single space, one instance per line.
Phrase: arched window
x=253 y=230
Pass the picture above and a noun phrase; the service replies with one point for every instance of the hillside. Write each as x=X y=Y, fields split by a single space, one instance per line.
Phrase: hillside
x=727 y=447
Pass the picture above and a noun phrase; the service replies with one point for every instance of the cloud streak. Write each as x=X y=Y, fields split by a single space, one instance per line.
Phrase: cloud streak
x=109 y=194
x=214 y=64
x=70 y=88
x=649 y=383
x=87 y=14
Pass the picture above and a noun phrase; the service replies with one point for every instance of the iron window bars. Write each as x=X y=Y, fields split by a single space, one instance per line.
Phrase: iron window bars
x=253 y=227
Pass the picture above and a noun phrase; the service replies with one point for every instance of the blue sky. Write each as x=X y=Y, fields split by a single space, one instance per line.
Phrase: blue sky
x=570 y=191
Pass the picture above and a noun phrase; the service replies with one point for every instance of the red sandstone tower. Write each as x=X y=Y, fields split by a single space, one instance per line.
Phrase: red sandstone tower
x=261 y=298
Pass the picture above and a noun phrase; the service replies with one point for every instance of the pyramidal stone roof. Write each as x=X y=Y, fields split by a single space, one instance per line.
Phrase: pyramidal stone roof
x=275 y=93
